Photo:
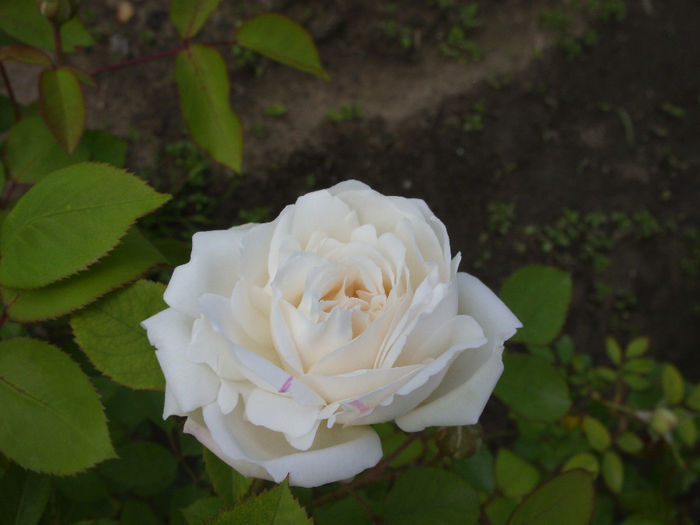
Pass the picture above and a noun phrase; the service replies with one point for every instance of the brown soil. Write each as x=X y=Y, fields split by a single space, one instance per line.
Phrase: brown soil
x=588 y=134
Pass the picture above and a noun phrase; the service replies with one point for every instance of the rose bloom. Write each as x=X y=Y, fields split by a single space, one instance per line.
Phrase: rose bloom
x=285 y=341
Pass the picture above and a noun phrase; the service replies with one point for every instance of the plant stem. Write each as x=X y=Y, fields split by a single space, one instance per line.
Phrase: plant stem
x=10 y=92
x=375 y=518
x=60 y=57
x=154 y=56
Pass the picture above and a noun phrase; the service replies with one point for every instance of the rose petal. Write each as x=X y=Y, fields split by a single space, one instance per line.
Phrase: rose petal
x=338 y=219
x=213 y=268
x=280 y=413
x=336 y=454
x=269 y=377
x=463 y=393
x=211 y=348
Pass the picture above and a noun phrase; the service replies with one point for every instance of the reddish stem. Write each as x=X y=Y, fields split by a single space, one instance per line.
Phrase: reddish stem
x=10 y=92
x=155 y=56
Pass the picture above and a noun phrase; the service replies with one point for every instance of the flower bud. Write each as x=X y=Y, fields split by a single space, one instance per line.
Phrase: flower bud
x=460 y=442
x=663 y=421
x=48 y=8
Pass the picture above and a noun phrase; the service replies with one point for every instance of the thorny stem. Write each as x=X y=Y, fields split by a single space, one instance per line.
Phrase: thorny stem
x=10 y=92
x=154 y=56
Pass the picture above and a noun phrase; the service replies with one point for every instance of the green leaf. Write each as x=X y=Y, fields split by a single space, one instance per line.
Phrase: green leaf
x=104 y=147
x=203 y=510
x=585 y=461
x=277 y=506
x=596 y=433
x=630 y=443
x=68 y=221
x=32 y=152
x=431 y=495
x=672 y=384
x=227 y=482
x=687 y=431
x=640 y=365
x=62 y=106
x=25 y=55
x=546 y=399
x=613 y=471
x=23 y=496
x=7 y=114
x=281 y=39
x=188 y=16
x=52 y=418
x=515 y=476
x=75 y=36
x=478 y=470
x=568 y=498
x=128 y=261
x=539 y=296
x=136 y=511
x=110 y=334
x=565 y=349
x=203 y=86
x=637 y=347
x=636 y=382
x=499 y=510
x=613 y=350
x=143 y=467
x=22 y=20
x=693 y=399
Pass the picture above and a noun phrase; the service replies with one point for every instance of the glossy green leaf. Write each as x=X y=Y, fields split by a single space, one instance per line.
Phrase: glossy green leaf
x=62 y=106
x=585 y=461
x=613 y=471
x=32 y=152
x=146 y=468
x=637 y=347
x=613 y=350
x=227 y=482
x=539 y=296
x=630 y=443
x=596 y=433
x=514 y=476
x=68 y=221
x=23 y=496
x=74 y=35
x=431 y=495
x=277 y=506
x=102 y=146
x=52 y=418
x=22 y=20
x=25 y=55
x=203 y=510
x=203 y=86
x=188 y=16
x=693 y=399
x=546 y=398
x=568 y=498
x=110 y=334
x=283 y=40
x=128 y=261
x=672 y=384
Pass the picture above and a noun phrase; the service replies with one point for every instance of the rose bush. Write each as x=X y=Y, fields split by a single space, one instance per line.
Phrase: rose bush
x=283 y=342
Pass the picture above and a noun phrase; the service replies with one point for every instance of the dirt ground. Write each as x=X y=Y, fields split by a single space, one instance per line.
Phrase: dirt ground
x=500 y=147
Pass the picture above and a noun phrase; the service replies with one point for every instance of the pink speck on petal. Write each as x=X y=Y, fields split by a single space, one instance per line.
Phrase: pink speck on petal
x=359 y=405
x=286 y=385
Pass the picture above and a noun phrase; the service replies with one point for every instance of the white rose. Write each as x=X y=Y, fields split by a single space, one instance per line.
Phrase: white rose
x=285 y=341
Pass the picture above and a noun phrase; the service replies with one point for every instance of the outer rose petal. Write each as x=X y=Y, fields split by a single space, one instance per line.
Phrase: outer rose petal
x=213 y=268
x=462 y=395
x=336 y=454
